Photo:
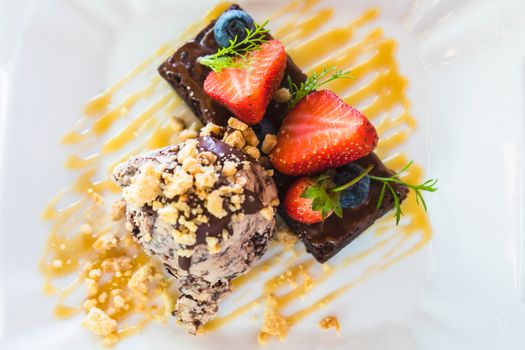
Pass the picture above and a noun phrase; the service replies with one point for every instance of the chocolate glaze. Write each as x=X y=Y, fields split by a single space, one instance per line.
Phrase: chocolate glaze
x=324 y=239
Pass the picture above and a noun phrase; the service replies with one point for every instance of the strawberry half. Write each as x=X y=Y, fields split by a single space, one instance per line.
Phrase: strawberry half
x=298 y=207
x=321 y=132
x=247 y=91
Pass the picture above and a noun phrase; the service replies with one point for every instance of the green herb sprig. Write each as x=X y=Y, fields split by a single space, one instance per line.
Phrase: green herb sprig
x=326 y=197
x=323 y=199
x=313 y=82
x=234 y=55
x=428 y=185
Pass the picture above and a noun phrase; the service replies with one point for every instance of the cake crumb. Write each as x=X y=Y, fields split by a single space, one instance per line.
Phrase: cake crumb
x=98 y=322
x=330 y=322
x=237 y=124
x=269 y=143
x=282 y=95
x=274 y=323
x=118 y=210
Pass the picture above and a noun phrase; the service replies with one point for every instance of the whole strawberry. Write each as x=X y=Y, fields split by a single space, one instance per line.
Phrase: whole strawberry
x=246 y=90
x=321 y=132
x=300 y=208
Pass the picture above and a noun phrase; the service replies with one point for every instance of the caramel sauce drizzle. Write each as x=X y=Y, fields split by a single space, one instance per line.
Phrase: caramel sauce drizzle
x=85 y=203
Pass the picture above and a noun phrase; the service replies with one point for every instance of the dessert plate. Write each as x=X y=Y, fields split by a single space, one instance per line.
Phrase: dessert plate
x=460 y=288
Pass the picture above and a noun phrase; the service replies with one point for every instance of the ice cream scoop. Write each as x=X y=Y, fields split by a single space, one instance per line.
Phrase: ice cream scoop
x=206 y=210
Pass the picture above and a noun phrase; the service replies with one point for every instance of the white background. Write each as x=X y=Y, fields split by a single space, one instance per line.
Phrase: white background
x=465 y=62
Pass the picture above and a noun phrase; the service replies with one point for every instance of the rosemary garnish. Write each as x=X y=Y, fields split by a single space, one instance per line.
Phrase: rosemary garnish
x=234 y=56
x=313 y=82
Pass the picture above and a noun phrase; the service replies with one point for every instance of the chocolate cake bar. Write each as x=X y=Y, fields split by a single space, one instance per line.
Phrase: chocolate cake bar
x=323 y=240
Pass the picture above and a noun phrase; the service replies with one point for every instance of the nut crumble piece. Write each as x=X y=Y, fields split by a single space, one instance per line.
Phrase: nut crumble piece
x=178 y=183
x=177 y=124
x=118 y=210
x=269 y=143
x=98 y=322
x=235 y=139
x=274 y=323
x=86 y=229
x=188 y=134
x=145 y=186
x=214 y=204
x=267 y=213
x=211 y=129
x=237 y=124
x=140 y=280
x=330 y=322
x=229 y=168
x=252 y=152
x=250 y=137
x=213 y=245
x=282 y=95
x=284 y=235
x=106 y=242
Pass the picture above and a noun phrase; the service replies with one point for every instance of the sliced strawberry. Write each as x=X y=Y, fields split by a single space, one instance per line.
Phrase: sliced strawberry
x=321 y=132
x=247 y=91
x=298 y=207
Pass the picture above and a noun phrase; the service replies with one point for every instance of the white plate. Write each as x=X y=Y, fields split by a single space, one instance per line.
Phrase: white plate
x=465 y=63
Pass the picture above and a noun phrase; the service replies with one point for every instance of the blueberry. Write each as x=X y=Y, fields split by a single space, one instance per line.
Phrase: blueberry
x=356 y=194
x=231 y=24
x=263 y=128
